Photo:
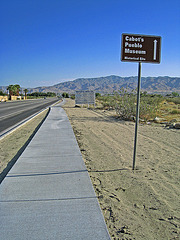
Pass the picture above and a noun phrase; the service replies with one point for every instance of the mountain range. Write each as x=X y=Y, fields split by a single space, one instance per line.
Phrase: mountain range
x=112 y=83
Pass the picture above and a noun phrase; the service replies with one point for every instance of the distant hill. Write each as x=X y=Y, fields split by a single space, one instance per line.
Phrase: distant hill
x=114 y=83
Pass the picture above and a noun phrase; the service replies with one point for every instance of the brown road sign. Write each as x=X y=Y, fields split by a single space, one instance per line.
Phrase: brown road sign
x=140 y=48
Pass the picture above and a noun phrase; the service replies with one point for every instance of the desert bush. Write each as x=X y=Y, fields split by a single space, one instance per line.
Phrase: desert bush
x=124 y=102
x=107 y=101
x=2 y=93
x=175 y=100
x=175 y=111
x=175 y=94
x=149 y=106
x=98 y=95
x=65 y=95
x=72 y=96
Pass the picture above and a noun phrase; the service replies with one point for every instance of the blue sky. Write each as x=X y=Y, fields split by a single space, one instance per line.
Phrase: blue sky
x=45 y=42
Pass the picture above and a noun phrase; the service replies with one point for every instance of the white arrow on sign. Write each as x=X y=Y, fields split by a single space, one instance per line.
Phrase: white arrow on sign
x=155 y=49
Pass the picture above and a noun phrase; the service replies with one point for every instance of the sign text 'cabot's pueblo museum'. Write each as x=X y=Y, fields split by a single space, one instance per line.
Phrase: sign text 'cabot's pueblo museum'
x=140 y=48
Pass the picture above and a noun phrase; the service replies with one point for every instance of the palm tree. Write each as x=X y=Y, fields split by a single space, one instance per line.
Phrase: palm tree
x=17 y=88
x=25 y=91
x=13 y=90
x=10 y=88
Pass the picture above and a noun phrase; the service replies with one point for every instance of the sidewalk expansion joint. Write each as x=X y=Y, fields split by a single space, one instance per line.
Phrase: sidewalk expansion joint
x=45 y=174
x=48 y=200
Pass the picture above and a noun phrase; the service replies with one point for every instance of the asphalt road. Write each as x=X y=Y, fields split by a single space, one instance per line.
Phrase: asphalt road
x=11 y=113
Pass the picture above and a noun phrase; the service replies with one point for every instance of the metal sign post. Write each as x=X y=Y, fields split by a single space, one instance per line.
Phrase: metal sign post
x=137 y=114
x=140 y=48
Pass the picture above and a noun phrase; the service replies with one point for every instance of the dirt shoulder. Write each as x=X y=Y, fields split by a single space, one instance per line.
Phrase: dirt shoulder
x=13 y=144
x=141 y=204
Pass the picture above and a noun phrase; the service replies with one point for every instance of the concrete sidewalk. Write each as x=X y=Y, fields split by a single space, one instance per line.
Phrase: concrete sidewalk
x=48 y=193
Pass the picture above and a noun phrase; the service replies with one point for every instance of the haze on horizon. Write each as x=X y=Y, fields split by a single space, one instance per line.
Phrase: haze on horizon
x=46 y=42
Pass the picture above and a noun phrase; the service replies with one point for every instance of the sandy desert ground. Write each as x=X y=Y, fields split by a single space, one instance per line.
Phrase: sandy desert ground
x=140 y=204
